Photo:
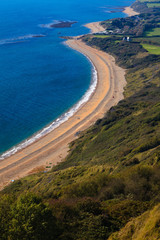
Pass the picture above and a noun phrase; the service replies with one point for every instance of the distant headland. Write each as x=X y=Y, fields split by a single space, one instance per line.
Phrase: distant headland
x=62 y=24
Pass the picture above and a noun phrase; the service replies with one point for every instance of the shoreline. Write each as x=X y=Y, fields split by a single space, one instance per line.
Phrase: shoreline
x=94 y=28
x=57 y=122
x=53 y=148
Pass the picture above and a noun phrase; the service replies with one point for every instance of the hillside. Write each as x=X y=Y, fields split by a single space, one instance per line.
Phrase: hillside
x=108 y=187
x=144 y=227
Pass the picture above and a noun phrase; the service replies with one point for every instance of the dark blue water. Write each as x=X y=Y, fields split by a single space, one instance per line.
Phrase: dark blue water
x=41 y=78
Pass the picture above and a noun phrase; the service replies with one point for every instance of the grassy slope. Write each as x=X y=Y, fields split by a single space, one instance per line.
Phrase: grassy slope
x=153 y=32
x=112 y=173
x=144 y=227
x=152 y=49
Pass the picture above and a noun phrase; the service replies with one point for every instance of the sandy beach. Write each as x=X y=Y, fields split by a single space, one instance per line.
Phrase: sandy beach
x=94 y=27
x=130 y=12
x=53 y=148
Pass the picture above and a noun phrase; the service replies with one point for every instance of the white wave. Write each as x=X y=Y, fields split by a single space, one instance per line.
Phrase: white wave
x=63 y=118
x=16 y=39
x=49 y=25
x=54 y=22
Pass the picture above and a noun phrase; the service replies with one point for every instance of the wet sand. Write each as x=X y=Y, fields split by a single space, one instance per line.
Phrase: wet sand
x=53 y=148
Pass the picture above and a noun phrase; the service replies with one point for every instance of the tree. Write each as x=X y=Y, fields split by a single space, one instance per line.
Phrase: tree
x=5 y=215
x=31 y=219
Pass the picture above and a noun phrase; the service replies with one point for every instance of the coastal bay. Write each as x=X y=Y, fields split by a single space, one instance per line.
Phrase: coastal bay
x=94 y=171
x=53 y=147
x=36 y=84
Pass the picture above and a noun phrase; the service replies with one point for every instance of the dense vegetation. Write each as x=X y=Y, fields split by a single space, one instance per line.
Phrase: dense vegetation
x=143 y=227
x=145 y=6
x=109 y=185
x=135 y=25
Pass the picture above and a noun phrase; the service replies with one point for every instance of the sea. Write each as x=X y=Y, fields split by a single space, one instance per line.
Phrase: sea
x=43 y=81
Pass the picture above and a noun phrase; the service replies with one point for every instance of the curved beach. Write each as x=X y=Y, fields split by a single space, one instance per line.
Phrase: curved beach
x=53 y=147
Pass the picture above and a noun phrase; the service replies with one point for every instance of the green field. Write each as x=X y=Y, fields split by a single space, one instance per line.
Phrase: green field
x=101 y=36
x=154 y=1
x=152 y=49
x=152 y=5
x=153 y=32
x=147 y=40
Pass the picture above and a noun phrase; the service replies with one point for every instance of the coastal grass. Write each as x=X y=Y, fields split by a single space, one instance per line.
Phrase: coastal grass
x=144 y=227
x=152 y=49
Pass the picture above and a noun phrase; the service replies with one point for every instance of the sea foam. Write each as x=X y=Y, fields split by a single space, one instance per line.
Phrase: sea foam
x=48 y=25
x=20 y=38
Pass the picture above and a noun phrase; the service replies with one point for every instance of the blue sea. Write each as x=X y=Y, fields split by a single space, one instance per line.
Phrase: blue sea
x=41 y=79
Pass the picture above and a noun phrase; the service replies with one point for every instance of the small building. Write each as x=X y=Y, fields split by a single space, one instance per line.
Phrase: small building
x=126 y=39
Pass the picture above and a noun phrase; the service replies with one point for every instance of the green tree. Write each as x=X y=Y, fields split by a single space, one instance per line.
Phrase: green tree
x=31 y=219
x=5 y=215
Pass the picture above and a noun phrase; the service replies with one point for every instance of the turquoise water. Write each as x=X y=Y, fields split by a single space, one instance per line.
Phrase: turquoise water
x=40 y=77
